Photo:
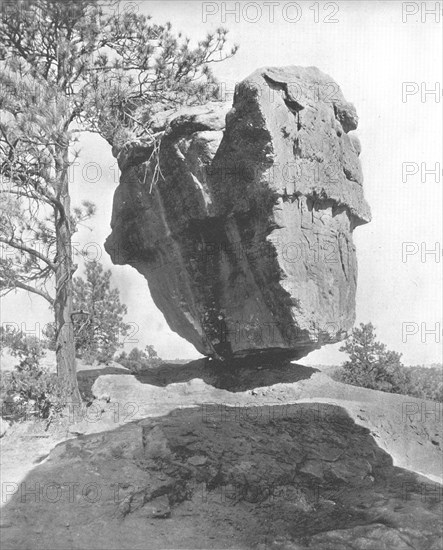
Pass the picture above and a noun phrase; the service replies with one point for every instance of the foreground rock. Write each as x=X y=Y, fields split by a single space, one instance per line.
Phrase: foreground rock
x=243 y=228
x=407 y=428
x=291 y=479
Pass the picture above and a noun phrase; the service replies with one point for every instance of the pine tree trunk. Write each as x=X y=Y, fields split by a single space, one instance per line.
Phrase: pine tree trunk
x=63 y=306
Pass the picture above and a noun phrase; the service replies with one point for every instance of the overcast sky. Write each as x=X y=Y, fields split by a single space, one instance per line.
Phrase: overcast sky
x=371 y=49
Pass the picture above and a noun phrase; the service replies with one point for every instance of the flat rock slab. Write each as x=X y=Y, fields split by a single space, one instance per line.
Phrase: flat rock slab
x=408 y=428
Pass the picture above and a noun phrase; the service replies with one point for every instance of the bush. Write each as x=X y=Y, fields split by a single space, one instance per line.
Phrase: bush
x=30 y=391
x=427 y=382
x=140 y=360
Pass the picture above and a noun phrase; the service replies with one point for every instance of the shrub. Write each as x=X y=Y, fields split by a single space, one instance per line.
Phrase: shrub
x=427 y=382
x=29 y=391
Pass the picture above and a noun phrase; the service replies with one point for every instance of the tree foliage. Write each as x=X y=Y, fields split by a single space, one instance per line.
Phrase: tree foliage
x=98 y=324
x=371 y=364
x=28 y=349
x=426 y=382
x=104 y=67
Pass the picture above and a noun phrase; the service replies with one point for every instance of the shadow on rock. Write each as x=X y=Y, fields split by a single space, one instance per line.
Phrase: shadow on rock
x=236 y=375
x=294 y=477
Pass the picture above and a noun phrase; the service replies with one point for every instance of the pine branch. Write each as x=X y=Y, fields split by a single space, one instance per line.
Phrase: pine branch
x=23 y=286
x=30 y=251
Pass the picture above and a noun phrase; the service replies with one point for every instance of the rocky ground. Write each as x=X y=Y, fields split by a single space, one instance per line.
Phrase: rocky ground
x=183 y=458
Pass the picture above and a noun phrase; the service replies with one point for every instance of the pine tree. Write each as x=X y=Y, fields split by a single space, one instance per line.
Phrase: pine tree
x=100 y=326
x=65 y=67
x=370 y=364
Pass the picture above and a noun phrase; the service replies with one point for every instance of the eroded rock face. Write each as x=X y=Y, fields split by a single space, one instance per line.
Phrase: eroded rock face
x=242 y=224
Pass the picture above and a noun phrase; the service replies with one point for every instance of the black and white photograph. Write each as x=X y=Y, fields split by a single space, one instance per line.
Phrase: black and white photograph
x=221 y=275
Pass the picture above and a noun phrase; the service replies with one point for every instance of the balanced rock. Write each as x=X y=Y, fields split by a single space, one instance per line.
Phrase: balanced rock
x=241 y=217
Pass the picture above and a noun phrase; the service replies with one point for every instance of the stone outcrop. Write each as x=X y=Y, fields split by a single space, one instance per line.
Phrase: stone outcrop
x=242 y=219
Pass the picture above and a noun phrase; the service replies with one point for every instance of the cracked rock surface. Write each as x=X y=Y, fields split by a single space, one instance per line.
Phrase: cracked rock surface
x=242 y=220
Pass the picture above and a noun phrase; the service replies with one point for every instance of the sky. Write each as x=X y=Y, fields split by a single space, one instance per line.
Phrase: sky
x=387 y=59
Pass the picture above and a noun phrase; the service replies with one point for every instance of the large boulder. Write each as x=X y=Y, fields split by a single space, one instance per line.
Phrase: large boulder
x=241 y=218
